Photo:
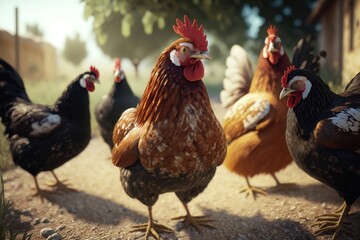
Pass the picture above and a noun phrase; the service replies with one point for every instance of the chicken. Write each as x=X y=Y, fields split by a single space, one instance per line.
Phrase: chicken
x=42 y=138
x=172 y=142
x=322 y=135
x=255 y=122
x=112 y=105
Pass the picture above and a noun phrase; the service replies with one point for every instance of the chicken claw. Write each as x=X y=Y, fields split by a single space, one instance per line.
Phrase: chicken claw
x=151 y=228
x=331 y=222
x=195 y=221
x=250 y=190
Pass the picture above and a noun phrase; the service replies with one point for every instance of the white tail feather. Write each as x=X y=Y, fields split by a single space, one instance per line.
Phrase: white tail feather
x=238 y=75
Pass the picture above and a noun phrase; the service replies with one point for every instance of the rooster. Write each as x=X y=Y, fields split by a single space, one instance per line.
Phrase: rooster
x=41 y=137
x=172 y=142
x=113 y=104
x=255 y=122
x=322 y=134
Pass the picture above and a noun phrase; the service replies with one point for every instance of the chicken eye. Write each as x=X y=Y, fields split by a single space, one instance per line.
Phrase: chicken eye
x=183 y=50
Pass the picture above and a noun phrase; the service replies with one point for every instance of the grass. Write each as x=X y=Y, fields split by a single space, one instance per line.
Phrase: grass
x=6 y=207
x=5 y=158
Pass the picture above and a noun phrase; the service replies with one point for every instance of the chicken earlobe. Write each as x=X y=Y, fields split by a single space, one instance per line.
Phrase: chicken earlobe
x=126 y=153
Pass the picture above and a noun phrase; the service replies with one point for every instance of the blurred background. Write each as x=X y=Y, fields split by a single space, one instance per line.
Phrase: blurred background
x=51 y=42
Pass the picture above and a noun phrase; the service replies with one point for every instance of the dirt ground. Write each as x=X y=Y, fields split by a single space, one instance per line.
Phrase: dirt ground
x=100 y=209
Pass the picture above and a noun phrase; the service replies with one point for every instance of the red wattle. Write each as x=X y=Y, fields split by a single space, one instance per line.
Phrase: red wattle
x=90 y=86
x=194 y=72
x=292 y=101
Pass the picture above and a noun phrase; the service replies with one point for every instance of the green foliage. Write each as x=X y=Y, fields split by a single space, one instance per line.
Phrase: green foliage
x=34 y=30
x=6 y=207
x=123 y=27
x=75 y=50
x=289 y=16
x=127 y=28
x=332 y=78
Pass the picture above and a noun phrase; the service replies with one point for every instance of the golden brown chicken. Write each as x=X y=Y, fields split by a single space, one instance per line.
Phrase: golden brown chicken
x=255 y=124
x=172 y=142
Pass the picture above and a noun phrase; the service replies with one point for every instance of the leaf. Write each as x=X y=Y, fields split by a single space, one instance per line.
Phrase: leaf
x=126 y=25
x=148 y=21
x=102 y=38
x=87 y=12
x=161 y=23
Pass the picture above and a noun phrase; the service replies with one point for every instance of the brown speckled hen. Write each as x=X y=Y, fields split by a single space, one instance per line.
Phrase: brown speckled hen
x=172 y=142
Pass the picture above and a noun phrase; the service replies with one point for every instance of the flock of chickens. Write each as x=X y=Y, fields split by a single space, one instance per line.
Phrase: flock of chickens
x=169 y=140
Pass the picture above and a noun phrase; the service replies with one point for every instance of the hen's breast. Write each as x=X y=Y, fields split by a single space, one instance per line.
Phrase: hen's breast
x=190 y=139
x=47 y=153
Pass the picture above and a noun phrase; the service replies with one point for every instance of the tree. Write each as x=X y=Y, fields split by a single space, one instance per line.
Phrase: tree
x=34 y=30
x=123 y=27
x=75 y=50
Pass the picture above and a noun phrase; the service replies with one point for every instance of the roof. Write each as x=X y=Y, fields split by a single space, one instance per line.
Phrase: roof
x=318 y=10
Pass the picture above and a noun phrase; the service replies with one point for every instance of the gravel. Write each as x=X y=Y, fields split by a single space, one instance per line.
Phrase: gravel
x=101 y=210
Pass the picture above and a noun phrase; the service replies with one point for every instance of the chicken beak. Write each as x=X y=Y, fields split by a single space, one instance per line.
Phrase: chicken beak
x=200 y=55
x=94 y=80
x=272 y=48
x=285 y=92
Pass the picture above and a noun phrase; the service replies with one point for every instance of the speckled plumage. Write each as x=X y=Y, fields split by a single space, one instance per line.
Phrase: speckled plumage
x=172 y=142
x=41 y=137
x=323 y=137
x=325 y=153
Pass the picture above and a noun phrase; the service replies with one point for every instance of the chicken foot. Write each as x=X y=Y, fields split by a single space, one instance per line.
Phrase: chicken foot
x=250 y=190
x=194 y=221
x=151 y=228
x=60 y=185
x=335 y=221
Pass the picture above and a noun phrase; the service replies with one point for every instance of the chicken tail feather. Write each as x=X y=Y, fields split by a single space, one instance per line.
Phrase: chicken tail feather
x=305 y=57
x=238 y=76
x=11 y=89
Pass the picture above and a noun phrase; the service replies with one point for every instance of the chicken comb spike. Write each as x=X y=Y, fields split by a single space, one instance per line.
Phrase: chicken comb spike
x=117 y=63
x=272 y=30
x=192 y=31
x=95 y=71
x=284 y=77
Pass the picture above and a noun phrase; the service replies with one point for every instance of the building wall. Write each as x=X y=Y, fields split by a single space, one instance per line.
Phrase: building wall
x=37 y=59
x=351 y=55
x=330 y=36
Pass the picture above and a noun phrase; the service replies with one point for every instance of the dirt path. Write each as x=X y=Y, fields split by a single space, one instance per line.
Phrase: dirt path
x=100 y=209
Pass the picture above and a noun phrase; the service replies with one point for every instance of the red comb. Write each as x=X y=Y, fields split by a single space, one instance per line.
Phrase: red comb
x=272 y=30
x=95 y=71
x=192 y=31
x=286 y=74
x=117 y=63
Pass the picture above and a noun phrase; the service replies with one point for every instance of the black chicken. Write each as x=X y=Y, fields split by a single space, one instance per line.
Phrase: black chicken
x=322 y=134
x=112 y=105
x=43 y=138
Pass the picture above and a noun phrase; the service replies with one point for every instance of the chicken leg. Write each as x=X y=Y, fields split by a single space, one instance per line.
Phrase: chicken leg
x=194 y=221
x=250 y=190
x=151 y=228
x=335 y=221
x=39 y=192
x=62 y=186
x=281 y=186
